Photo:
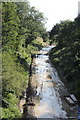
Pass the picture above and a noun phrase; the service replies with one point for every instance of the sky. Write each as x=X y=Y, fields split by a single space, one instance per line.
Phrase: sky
x=56 y=10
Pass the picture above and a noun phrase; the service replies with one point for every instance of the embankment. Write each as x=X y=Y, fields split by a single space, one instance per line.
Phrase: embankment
x=55 y=55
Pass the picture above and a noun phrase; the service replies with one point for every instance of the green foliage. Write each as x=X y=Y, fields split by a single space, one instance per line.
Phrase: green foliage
x=66 y=55
x=21 y=24
x=31 y=24
x=15 y=77
x=12 y=111
x=10 y=24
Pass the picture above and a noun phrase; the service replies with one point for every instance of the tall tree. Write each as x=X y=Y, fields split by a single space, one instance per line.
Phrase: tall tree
x=10 y=24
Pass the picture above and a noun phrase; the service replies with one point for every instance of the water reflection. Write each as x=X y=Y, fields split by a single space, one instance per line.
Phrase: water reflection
x=48 y=103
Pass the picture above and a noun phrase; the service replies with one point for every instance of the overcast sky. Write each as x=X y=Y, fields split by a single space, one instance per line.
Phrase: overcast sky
x=56 y=10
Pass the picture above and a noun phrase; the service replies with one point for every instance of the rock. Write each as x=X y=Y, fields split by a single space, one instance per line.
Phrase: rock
x=30 y=104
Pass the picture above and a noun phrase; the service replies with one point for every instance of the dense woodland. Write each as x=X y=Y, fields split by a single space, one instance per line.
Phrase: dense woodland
x=22 y=29
x=66 y=55
x=21 y=25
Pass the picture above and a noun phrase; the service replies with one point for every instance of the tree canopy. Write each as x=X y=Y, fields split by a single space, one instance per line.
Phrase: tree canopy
x=21 y=25
x=66 y=54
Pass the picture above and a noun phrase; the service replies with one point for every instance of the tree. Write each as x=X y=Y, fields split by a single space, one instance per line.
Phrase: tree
x=66 y=55
x=10 y=24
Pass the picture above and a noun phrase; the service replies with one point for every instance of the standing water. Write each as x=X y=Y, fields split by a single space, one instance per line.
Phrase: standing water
x=49 y=104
